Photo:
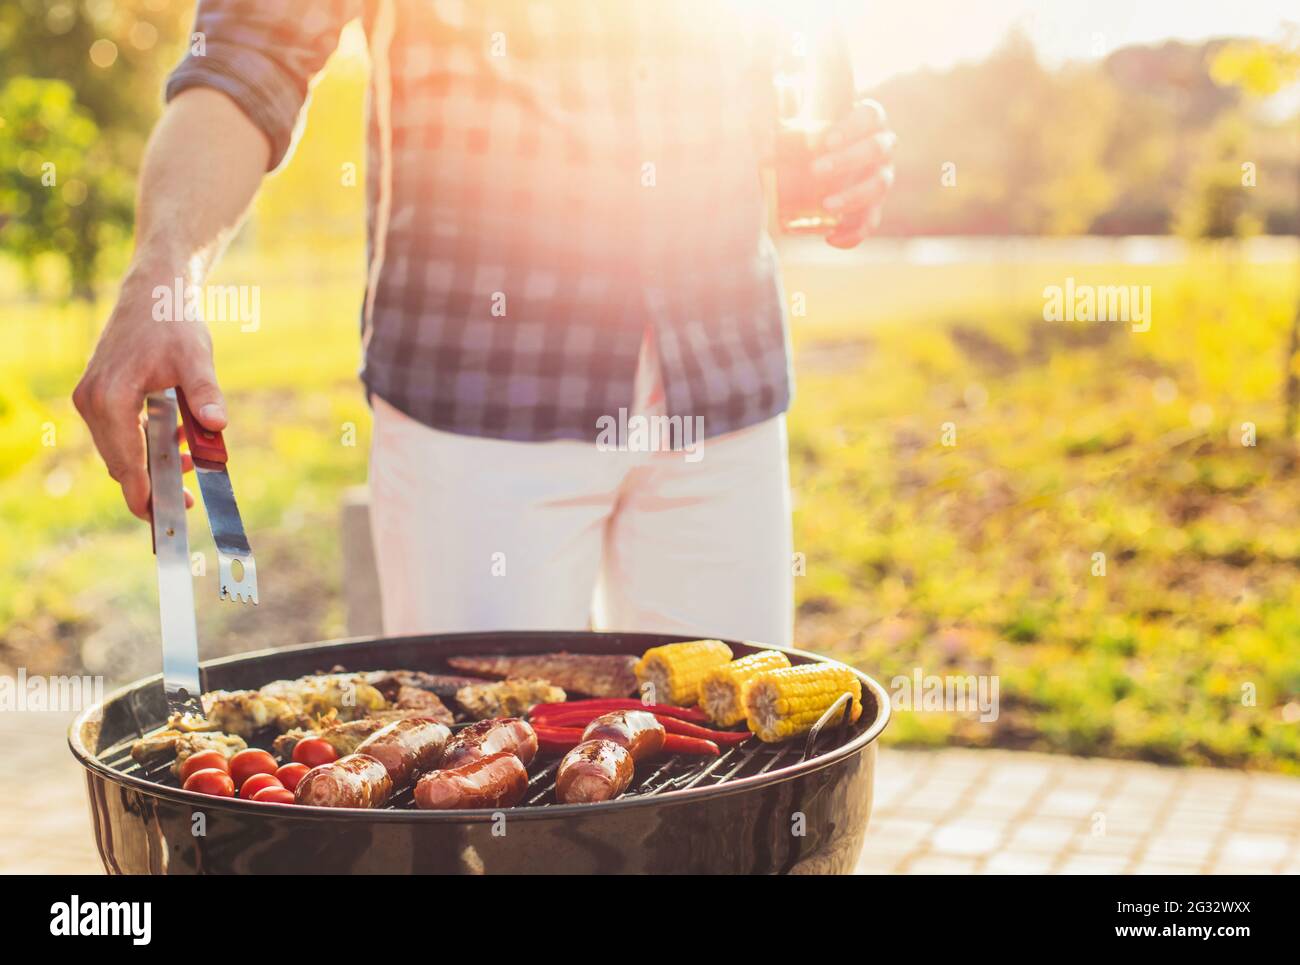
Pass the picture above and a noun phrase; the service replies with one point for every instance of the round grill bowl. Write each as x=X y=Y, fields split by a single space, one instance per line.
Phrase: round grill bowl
x=764 y=809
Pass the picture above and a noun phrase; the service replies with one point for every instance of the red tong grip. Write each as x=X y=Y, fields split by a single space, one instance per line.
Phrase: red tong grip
x=205 y=445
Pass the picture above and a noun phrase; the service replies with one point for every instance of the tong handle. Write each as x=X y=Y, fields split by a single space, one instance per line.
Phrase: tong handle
x=205 y=445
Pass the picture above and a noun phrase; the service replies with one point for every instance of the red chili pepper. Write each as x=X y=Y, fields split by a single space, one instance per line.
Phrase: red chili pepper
x=606 y=704
x=581 y=718
x=688 y=729
x=557 y=740
x=681 y=744
x=570 y=718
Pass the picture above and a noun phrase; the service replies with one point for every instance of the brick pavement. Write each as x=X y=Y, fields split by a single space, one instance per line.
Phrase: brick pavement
x=968 y=812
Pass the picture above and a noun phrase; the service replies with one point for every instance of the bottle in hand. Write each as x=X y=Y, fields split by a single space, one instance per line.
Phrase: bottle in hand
x=814 y=90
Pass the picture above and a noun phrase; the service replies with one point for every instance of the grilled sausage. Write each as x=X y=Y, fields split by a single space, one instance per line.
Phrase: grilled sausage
x=487 y=737
x=355 y=781
x=638 y=731
x=407 y=748
x=597 y=770
x=496 y=781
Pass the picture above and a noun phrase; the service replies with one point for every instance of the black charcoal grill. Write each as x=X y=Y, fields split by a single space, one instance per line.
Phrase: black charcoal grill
x=797 y=807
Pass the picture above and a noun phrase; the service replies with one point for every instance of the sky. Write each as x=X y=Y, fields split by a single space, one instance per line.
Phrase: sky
x=891 y=38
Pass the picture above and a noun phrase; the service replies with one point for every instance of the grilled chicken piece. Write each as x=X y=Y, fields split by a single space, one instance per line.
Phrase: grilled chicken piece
x=347 y=694
x=245 y=712
x=593 y=674
x=189 y=723
x=507 y=698
x=387 y=682
x=284 y=704
x=343 y=737
x=183 y=745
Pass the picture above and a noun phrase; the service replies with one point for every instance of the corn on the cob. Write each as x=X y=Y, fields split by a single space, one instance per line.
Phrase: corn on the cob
x=722 y=691
x=780 y=704
x=674 y=670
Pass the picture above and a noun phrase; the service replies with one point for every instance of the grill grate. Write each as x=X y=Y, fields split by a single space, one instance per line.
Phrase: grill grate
x=674 y=773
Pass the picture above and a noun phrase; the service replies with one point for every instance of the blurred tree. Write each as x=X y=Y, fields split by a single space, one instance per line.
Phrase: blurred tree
x=1007 y=146
x=103 y=64
x=59 y=191
x=1262 y=69
x=1216 y=204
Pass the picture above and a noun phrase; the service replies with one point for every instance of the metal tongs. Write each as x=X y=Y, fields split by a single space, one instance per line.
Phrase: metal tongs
x=180 y=636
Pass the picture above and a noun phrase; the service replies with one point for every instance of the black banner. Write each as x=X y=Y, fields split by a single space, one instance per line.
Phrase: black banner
x=135 y=914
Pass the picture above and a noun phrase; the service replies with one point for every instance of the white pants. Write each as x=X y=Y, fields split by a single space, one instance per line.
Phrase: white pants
x=484 y=534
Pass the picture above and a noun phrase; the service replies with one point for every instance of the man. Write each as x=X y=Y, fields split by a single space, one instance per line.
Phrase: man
x=566 y=238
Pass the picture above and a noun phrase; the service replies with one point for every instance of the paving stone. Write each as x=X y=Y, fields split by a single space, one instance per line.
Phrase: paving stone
x=1070 y=803
x=1166 y=868
x=942 y=865
x=1107 y=844
x=1244 y=848
x=1041 y=834
x=1086 y=864
x=1157 y=819
x=906 y=830
x=1019 y=863
x=1239 y=868
x=1172 y=847
x=969 y=837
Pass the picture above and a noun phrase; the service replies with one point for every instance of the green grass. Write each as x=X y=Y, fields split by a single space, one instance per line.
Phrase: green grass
x=1072 y=439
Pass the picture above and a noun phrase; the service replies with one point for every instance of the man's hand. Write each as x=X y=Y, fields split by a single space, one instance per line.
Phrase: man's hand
x=203 y=165
x=138 y=354
x=859 y=161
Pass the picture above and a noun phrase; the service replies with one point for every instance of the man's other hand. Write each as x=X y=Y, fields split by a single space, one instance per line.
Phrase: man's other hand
x=859 y=161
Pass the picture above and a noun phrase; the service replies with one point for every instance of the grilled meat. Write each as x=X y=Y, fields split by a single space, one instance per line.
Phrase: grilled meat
x=355 y=781
x=183 y=745
x=189 y=723
x=422 y=703
x=639 y=732
x=595 y=770
x=245 y=712
x=343 y=737
x=407 y=748
x=499 y=780
x=506 y=698
x=596 y=675
x=285 y=704
x=388 y=682
x=348 y=694
x=489 y=737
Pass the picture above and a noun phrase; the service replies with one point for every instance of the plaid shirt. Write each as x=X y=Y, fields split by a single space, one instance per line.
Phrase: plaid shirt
x=547 y=180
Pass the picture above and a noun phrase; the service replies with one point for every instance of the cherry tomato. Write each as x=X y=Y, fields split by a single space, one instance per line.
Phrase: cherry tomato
x=211 y=780
x=257 y=782
x=314 y=751
x=291 y=774
x=274 y=795
x=202 y=761
x=247 y=763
